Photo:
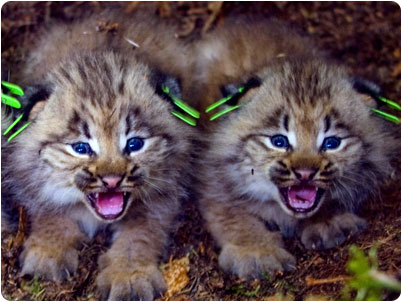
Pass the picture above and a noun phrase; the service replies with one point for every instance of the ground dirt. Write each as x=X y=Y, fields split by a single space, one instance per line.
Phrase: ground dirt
x=363 y=35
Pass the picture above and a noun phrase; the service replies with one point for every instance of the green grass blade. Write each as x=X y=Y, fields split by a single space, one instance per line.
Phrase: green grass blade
x=387 y=116
x=13 y=124
x=182 y=105
x=18 y=131
x=165 y=89
x=13 y=88
x=187 y=119
x=186 y=108
x=390 y=103
x=223 y=100
x=10 y=101
x=220 y=113
x=218 y=103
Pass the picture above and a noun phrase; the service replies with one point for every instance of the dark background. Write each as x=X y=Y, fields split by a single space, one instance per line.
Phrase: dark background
x=365 y=36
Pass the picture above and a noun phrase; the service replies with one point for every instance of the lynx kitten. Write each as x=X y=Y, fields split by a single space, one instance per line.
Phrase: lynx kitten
x=103 y=151
x=296 y=159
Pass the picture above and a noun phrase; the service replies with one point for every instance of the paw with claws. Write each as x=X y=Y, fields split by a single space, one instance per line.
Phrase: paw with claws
x=50 y=262
x=128 y=281
x=327 y=234
x=253 y=261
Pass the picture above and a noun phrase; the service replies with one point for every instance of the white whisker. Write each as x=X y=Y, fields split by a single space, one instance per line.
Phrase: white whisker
x=161 y=179
x=154 y=186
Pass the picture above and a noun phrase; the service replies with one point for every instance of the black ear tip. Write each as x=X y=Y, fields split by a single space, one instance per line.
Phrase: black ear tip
x=174 y=86
x=160 y=80
x=232 y=89
x=253 y=82
x=34 y=94
x=366 y=87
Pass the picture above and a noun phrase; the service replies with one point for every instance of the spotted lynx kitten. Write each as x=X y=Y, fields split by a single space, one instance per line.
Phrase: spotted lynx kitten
x=296 y=159
x=103 y=151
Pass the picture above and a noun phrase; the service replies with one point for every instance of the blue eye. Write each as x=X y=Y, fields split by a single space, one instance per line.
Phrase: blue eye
x=331 y=142
x=82 y=148
x=280 y=141
x=134 y=144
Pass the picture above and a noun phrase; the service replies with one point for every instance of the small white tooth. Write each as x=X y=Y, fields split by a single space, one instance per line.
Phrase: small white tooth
x=96 y=195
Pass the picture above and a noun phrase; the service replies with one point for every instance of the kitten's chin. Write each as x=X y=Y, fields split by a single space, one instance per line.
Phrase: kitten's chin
x=301 y=201
x=108 y=206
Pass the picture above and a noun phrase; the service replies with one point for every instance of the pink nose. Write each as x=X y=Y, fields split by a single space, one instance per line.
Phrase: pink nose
x=111 y=181
x=304 y=173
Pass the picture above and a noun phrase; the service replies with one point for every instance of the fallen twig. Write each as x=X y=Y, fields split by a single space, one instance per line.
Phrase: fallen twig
x=310 y=281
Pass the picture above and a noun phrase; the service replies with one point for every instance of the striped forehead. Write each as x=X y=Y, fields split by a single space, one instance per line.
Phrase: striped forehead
x=93 y=82
x=300 y=127
x=86 y=119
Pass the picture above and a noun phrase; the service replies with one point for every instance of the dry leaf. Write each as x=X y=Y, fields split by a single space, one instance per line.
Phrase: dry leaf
x=22 y=228
x=175 y=272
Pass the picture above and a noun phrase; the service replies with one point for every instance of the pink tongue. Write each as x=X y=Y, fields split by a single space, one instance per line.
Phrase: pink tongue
x=110 y=204
x=302 y=197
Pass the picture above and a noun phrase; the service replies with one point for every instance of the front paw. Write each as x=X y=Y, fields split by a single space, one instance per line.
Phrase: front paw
x=327 y=234
x=127 y=282
x=253 y=261
x=49 y=262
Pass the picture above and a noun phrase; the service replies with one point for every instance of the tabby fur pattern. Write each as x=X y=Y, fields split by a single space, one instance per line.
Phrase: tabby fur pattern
x=95 y=89
x=297 y=159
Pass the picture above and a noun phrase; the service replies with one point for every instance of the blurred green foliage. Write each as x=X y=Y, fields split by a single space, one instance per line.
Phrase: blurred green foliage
x=240 y=290
x=34 y=288
x=367 y=283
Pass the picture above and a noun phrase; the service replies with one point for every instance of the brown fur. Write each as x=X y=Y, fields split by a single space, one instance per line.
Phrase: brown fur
x=306 y=98
x=232 y=56
x=100 y=92
x=111 y=30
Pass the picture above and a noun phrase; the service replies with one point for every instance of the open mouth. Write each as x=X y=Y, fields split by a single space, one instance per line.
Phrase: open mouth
x=301 y=198
x=108 y=205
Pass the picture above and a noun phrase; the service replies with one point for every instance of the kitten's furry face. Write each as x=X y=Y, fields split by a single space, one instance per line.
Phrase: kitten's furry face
x=304 y=138
x=104 y=137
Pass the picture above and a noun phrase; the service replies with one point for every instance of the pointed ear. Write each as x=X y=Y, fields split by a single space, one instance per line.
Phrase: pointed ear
x=365 y=86
x=160 y=81
x=368 y=88
x=231 y=89
x=239 y=90
x=34 y=99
